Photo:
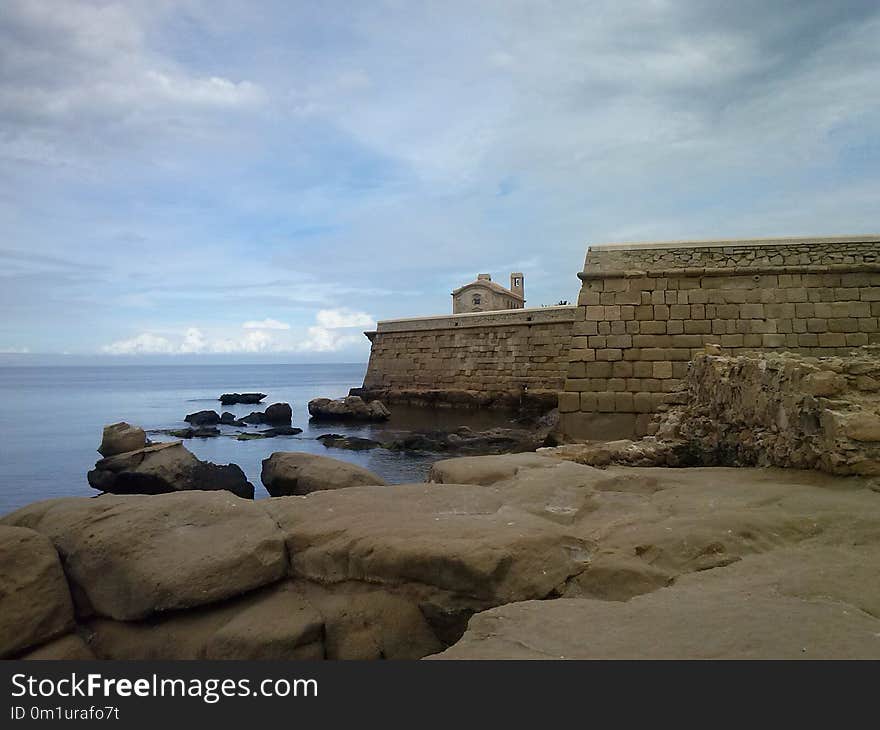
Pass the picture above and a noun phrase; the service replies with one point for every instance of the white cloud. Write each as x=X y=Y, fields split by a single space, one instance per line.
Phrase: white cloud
x=341 y=318
x=333 y=330
x=265 y=324
x=142 y=344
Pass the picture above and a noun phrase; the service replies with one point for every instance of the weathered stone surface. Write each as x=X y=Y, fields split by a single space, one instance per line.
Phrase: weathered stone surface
x=466 y=441
x=203 y=418
x=293 y=620
x=484 y=469
x=796 y=603
x=67 y=648
x=166 y=467
x=777 y=409
x=130 y=557
x=296 y=473
x=457 y=548
x=35 y=603
x=229 y=399
x=121 y=437
x=352 y=407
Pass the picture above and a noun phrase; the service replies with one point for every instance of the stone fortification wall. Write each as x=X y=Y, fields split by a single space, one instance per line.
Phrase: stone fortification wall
x=648 y=309
x=503 y=359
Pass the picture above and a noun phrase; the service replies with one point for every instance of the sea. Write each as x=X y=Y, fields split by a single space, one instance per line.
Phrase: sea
x=51 y=419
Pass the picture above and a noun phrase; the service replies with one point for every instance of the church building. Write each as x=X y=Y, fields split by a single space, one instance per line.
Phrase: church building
x=484 y=295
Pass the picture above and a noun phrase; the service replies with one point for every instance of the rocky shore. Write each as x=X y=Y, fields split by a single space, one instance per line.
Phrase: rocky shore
x=574 y=551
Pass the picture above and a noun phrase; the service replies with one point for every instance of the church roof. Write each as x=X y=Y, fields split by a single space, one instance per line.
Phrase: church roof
x=489 y=285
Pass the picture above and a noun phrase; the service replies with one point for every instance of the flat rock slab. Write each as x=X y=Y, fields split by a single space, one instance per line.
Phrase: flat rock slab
x=133 y=556
x=460 y=539
x=35 y=603
x=789 y=605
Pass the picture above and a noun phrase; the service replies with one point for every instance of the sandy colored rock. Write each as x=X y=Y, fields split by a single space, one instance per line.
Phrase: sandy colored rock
x=163 y=468
x=483 y=469
x=292 y=620
x=35 y=603
x=350 y=408
x=295 y=473
x=799 y=603
x=455 y=548
x=118 y=438
x=137 y=555
x=67 y=648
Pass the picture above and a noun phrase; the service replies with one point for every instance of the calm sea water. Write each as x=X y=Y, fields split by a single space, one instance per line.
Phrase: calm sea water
x=51 y=420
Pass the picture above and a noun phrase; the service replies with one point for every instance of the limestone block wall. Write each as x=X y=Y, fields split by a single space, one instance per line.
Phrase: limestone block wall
x=648 y=309
x=472 y=359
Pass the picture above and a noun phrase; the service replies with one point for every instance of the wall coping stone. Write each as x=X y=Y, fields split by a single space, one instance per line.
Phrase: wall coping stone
x=728 y=242
x=728 y=271
x=500 y=318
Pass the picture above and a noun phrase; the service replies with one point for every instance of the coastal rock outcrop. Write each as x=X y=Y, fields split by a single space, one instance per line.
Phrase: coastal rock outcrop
x=296 y=473
x=118 y=438
x=350 y=408
x=230 y=399
x=35 y=604
x=276 y=414
x=465 y=441
x=166 y=467
x=203 y=418
x=608 y=562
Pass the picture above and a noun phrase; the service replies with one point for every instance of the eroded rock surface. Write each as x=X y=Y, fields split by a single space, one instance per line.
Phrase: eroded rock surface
x=118 y=438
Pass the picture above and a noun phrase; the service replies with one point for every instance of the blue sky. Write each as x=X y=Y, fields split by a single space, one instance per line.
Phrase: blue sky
x=244 y=180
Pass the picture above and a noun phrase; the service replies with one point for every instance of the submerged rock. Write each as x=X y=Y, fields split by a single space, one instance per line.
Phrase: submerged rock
x=463 y=440
x=291 y=472
x=118 y=438
x=229 y=399
x=349 y=408
x=268 y=433
x=354 y=443
x=166 y=467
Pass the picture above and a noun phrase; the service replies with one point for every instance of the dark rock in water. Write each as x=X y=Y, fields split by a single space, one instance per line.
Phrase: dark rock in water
x=121 y=437
x=203 y=418
x=350 y=408
x=269 y=433
x=190 y=433
x=278 y=413
x=464 y=440
x=254 y=418
x=166 y=467
x=355 y=443
x=229 y=399
x=229 y=419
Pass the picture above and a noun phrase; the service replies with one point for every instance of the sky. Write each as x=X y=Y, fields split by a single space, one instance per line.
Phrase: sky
x=265 y=180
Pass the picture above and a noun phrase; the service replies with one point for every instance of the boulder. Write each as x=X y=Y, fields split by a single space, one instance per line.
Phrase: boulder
x=130 y=557
x=35 y=603
x=349 y=408
x=297 y=473
x=278 y=414
x=229 y=419
x=203 y=418
x=121 y=437
x=229 y=399
x=166 y=467
x=354 y=443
